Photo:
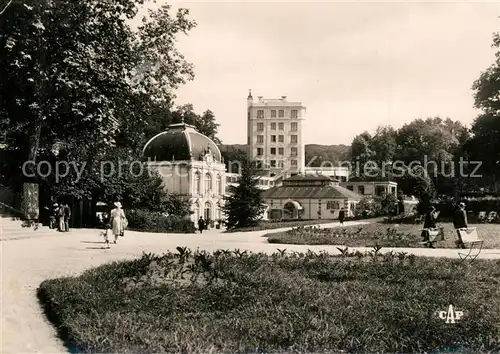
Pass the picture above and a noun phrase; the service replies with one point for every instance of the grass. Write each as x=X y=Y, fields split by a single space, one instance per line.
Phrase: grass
x=269 y=225
x=238 y=302
x=386 y=235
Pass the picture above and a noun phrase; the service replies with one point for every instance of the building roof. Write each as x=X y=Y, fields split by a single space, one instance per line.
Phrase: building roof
x=317 y=177
x=310 y=192
x=180 y=142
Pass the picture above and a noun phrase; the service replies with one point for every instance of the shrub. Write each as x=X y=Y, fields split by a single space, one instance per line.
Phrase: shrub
x=142 y=220
x=229 y=302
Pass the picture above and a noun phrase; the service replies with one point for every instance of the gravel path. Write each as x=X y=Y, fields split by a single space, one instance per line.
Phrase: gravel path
x=26 y=263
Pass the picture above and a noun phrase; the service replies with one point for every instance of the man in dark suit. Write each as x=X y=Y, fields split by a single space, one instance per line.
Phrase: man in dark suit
x=460 y=222
x=342 y=216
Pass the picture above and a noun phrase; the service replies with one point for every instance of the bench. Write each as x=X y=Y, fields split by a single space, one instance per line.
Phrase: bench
x=471 y=239
x=433 y=235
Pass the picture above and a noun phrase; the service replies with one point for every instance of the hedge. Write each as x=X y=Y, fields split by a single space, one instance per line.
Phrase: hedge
x=143 y=220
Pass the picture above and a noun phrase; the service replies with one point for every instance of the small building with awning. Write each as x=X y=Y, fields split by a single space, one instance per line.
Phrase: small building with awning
x=309 y=197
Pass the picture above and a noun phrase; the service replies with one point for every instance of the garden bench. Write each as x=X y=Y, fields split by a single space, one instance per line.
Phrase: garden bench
x=419 y=219
x=481 y=217
x=470 y=238
x=434 y=235
x=492 y=216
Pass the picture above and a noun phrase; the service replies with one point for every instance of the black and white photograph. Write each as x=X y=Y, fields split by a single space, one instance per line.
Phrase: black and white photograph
x=249 y=177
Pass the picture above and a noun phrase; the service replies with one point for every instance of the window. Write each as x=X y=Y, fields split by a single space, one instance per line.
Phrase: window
x=294 y=139
x=208 y=183
x=260 y=151
x=273 y=126
x=293 y=162
x=219 y=184
x=281 y=138
x=294 y=113
x=273 y=163
x=208 y=211
x=332 y=205
x=294 y=126
x=281 y=151
x=361 y=189
x=260 y=113
x=273 y=113
x=260 y=126
x=273 y=151
x=293 y=152
x=258 y=164
x=281 y=113
x=260 y=139
x=281 y=126
x=273 y=138
x=350 y=188
x=197 y=182
x=280 y=163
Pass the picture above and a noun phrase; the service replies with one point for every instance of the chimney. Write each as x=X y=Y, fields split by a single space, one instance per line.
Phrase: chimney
x=283 y=98
x=260 y=98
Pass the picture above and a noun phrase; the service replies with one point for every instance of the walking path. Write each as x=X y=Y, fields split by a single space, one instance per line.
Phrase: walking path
x=25 y=263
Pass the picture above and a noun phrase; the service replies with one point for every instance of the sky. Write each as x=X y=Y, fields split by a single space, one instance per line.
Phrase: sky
x=354 y=65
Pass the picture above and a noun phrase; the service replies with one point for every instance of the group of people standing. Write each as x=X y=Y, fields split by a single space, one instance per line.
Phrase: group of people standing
x=59 y=219
x=459 y=222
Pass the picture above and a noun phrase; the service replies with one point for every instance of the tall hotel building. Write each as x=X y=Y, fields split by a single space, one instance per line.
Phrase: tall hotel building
x=274 y=133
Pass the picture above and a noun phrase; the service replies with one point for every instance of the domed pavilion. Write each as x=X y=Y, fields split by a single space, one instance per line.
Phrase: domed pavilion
x=191 y=166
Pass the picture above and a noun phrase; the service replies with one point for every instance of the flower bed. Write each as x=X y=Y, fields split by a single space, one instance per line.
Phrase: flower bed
x=386 y=235
x=229 y=302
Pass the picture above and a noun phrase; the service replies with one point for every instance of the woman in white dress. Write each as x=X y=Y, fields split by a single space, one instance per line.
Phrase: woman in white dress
x=118 y=221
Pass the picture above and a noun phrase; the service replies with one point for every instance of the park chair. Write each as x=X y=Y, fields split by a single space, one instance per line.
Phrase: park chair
x=492 y=216
x=481 y=217
x=471 y=240
x=419 y=219
x=433 y=235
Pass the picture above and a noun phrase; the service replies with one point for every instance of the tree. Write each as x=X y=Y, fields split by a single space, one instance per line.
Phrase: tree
x=484 y=145
x=205 y=123
x=70 y=69
x=361 y=151
x=384 y=144
x=244 y=205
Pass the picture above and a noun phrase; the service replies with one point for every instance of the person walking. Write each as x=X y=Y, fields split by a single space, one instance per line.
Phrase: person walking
x=430 y=219
x=201 y=224
x=342 y=216
x=60 y=218
x=460 y=222
x=117 y=220
x=67 y=216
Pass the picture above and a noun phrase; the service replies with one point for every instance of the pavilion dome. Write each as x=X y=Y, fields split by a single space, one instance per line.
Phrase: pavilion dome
x=180 y=142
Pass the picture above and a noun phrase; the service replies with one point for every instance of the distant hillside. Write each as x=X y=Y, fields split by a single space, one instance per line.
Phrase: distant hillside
x=315 y=154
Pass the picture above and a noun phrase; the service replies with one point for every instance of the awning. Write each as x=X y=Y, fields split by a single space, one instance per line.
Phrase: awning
x=295 y=204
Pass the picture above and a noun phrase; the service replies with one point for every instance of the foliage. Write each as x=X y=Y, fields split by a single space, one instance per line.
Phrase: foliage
x=234 y=301
x=234 y=156
x=378 y=206
x=244 y=206
x=278 y=224
x=147 y=221
x=325 y=155
x=382 y=234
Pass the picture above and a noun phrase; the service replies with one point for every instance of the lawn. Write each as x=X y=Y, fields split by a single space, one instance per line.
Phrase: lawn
x=269 y=225
x=237 y=302
x=387 y=235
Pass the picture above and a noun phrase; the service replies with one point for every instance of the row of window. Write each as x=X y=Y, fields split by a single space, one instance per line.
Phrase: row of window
x=281 y=113
x=275 y=163
x=281 y=126
x=281 y=151
x=278 y=139
x=208 y=184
